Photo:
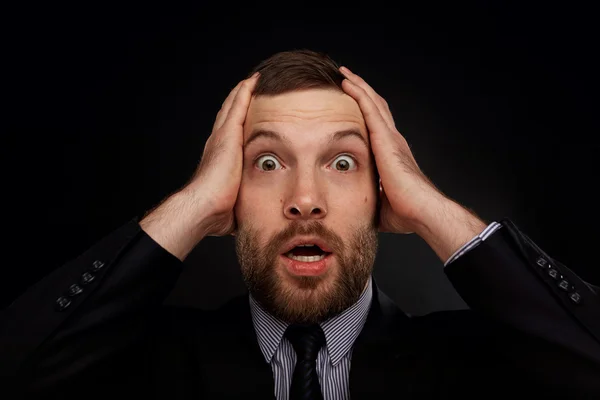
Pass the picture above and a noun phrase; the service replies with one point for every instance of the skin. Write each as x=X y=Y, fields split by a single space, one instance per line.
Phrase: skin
x=208 y=204
x=410 y=202
x=306 y=179
x=304 y=183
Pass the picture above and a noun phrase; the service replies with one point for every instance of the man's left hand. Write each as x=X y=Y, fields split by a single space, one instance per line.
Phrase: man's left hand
x=410 y=202
x=406 y=193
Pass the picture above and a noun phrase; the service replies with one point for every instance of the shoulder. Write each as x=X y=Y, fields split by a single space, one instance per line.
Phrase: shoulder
x=231 y=315
x=437 y=322
x=453 y=322
x=467 y=334
x=443 y=326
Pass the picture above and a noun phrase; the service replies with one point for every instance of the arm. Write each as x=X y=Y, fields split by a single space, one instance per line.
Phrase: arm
x=89 y=311
x=554 y=314
x=80 y=321
x=548 y=294
x=551 y=315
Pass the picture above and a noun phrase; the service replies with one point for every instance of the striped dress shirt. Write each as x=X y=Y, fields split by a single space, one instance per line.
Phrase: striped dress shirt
x=333 y=360
x=486 y=233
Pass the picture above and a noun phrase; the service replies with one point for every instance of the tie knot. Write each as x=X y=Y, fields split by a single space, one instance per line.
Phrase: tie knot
x=306 y=340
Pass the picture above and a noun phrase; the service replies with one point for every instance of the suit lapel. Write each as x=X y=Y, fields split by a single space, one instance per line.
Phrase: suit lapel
x=238 y=368
x=382 y=350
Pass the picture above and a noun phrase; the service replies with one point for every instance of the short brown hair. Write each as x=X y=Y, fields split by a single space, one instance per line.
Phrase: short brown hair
x=293 y=70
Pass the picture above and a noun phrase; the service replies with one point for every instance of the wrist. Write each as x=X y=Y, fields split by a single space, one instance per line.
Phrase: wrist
x=447 y=226
x=178 y=223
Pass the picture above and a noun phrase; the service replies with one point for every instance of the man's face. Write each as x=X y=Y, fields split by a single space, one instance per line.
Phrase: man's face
x=308 y=178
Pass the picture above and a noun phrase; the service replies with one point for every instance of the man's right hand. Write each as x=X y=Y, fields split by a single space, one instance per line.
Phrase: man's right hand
x=204 y=207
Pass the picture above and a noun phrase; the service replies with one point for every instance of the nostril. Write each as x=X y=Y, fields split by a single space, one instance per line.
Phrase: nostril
x=317 y=211
x=295 y=211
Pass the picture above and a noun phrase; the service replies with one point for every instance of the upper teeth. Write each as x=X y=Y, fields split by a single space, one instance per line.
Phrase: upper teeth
x=305 y=245
x=305 y=258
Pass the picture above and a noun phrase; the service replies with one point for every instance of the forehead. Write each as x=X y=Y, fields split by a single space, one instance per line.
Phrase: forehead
x=314 y=110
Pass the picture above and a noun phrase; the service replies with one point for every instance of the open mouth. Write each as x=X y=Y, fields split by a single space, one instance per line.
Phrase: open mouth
x=307 y=253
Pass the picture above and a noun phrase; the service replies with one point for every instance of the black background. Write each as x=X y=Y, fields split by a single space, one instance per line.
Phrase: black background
x=109 y=106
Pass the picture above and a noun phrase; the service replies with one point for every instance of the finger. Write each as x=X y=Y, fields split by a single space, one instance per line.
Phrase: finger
x=226 y=107
x=222 y=114
x=239 y=107
x=382 y=105
x=373 y=117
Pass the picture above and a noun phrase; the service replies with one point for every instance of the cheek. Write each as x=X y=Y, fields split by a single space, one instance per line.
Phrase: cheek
x=357 y=194
x=258 y=201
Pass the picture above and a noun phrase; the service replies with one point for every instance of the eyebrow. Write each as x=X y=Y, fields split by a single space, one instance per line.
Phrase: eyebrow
x=336 y=136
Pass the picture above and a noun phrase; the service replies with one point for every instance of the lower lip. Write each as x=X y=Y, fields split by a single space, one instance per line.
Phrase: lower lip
x=302 y=268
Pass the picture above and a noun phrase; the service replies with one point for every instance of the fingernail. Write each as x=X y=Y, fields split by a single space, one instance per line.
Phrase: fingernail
x=255 y=74
x=345 y=70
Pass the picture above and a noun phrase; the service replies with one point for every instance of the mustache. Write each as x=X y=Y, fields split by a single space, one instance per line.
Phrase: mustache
x=313 y=228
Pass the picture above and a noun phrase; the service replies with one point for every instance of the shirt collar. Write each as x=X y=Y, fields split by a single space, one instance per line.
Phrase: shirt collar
x=340 y=331
x=269 y=330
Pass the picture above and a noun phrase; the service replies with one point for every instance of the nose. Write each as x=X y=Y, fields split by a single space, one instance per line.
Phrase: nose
x=306 y=201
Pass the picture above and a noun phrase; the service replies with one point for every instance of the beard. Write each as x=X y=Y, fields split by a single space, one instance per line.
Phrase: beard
x=306 y=299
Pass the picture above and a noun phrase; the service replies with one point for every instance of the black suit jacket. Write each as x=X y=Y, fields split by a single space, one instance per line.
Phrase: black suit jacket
x=533 y=328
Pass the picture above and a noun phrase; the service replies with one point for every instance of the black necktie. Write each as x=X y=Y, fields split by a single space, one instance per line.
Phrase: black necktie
x=307 y=341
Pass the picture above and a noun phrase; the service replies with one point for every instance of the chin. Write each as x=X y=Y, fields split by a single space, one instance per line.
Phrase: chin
x=306 y=299
x=307 y=285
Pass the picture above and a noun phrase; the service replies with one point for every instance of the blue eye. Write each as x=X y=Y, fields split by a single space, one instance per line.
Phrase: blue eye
x=268 y=163
x=344 y=163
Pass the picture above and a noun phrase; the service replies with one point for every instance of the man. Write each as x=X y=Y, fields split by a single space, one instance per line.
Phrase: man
x=304 y=166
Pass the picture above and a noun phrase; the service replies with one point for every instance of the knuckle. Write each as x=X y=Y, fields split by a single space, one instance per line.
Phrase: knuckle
x=360 y=90
x=208 y=143
x=227 y=125
x=245 y=85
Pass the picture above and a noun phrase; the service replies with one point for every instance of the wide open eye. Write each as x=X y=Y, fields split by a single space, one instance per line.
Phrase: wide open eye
x=267 y=163
x=344 y=163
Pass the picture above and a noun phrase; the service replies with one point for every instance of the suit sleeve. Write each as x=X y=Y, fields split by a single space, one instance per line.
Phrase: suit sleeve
x=554 y=313
x=487 y=232
x=86 y=312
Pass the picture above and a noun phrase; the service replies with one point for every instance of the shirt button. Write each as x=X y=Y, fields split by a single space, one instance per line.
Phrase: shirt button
x=62 y=303
x=87 y=278
x=74 y=290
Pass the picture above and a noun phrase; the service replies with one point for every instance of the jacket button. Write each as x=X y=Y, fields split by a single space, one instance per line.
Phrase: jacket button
x=74 y=290
x=87 y=278
x=564 y=285
x=575 y=297
x=62 y=303
x=541 y=262
x=97 y=265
